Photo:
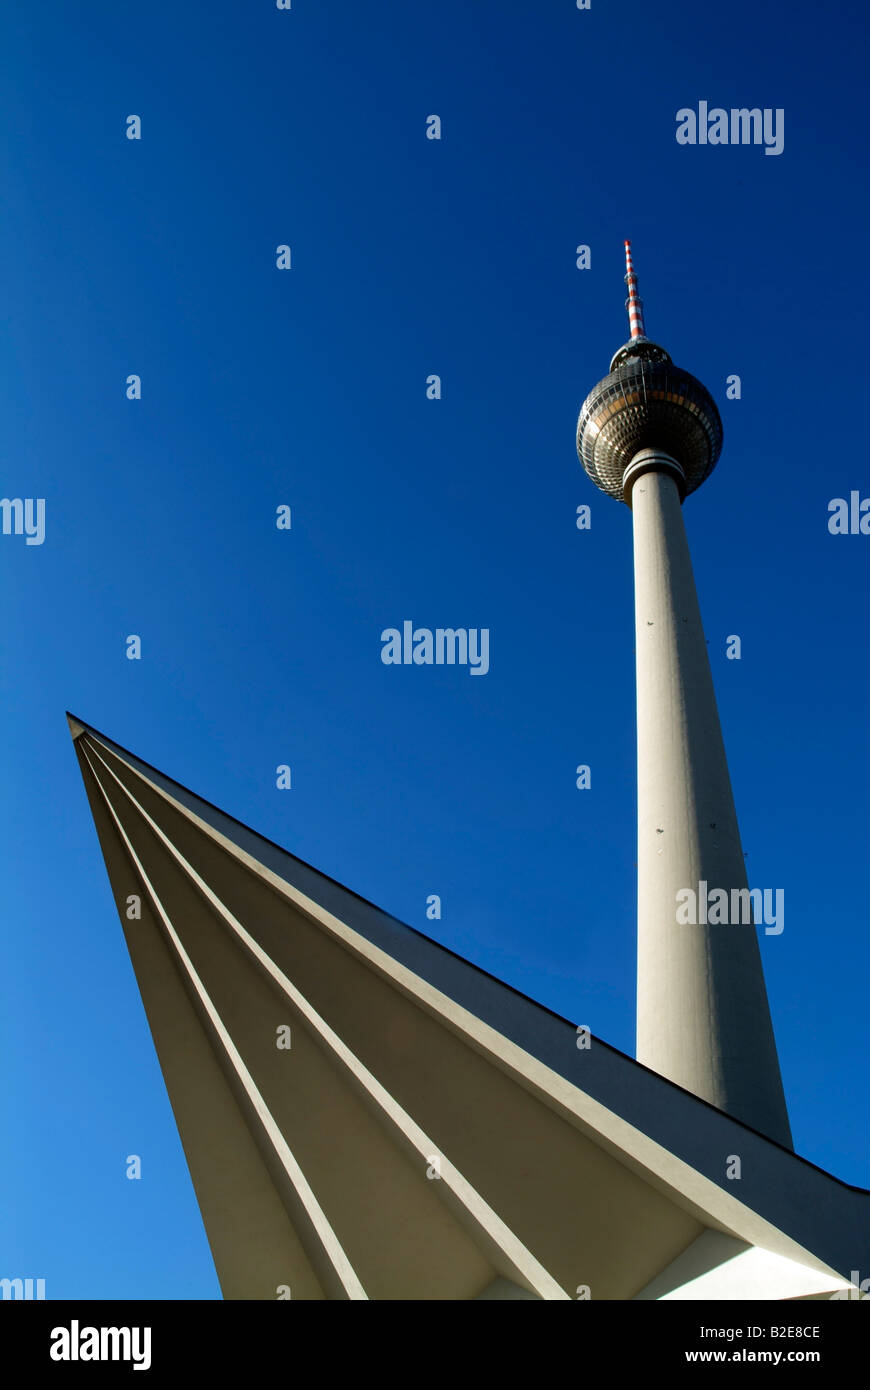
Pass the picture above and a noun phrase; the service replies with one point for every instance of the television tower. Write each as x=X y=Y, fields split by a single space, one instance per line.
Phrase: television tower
x=648 y=435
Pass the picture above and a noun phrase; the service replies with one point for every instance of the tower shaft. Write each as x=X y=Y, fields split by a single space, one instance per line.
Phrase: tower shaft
x=702 y=1012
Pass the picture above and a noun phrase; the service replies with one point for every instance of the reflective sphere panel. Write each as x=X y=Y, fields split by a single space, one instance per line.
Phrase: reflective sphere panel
x=647 y=404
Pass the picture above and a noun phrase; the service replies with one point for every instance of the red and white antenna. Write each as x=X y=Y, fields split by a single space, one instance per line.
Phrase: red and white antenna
x=634 y=304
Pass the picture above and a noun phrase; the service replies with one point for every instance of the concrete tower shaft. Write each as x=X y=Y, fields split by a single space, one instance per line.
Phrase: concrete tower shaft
x=702 y=1012
x=648 y=434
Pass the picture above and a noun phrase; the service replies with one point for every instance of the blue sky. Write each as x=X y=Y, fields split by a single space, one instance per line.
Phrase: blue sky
x=308 y=387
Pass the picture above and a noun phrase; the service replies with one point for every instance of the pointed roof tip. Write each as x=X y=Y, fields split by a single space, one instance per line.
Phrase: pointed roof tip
x=76 y=729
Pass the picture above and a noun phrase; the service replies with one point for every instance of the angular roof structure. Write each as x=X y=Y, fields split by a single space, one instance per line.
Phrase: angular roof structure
x=366 y=1115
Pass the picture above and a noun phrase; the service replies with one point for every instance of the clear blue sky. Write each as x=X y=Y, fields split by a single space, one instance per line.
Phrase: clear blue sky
x=307 y=387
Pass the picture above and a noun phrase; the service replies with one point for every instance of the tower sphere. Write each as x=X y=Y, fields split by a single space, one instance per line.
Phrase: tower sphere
x=647 y=403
